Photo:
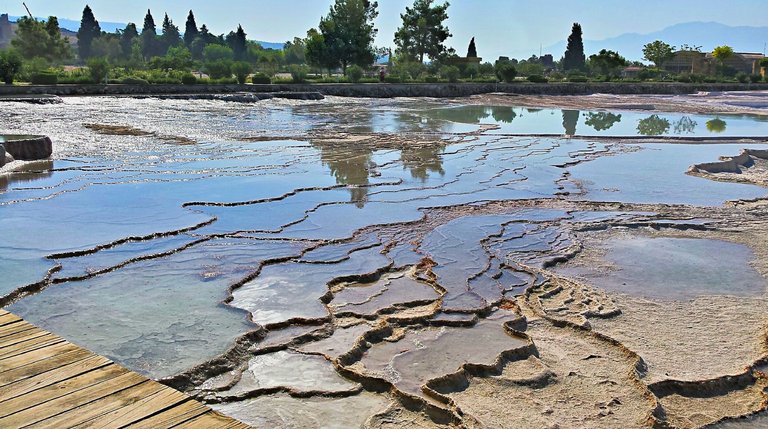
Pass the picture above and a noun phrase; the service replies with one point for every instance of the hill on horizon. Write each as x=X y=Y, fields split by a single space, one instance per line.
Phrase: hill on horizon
x=708 y=35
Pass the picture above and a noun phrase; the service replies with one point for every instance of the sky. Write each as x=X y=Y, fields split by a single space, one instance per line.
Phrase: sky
x=500 y=27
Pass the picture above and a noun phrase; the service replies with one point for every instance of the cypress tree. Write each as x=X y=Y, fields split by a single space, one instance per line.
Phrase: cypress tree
x=89 y=30
x=238 y=44
x=149 y=36
x=170 y=37
x=190 y=31
x=574 y=58
x=472 y=51
x=126 y=39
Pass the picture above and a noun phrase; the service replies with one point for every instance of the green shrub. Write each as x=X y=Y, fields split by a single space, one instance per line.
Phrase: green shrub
x=369 y=80
x=742 y=77
x=298 y=73
x=486 y=79
x=393 y=79
x=431 y=79
x=755 y=78
x=451 y=73
x=10 y=65
x=505 y=71
x=188 y=79
x=76 y=80
x=577 y=77
x=556 y=76
x=241 y=70
x=44 y=78
x=260 y=79
x=133 y=80
x=224 y=81
x=98 y=68
x=708 y=79
x=537 y=78
x=218 y=69
x=683 y=78
x=355 y=73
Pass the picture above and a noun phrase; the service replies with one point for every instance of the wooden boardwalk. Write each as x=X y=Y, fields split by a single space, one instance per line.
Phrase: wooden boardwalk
x=48 y=382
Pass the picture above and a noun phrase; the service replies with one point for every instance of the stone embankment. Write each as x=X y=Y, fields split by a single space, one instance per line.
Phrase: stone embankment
x=380 y=90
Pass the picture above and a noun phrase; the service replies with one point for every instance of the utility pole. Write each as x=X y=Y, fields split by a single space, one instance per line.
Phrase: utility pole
x=28 y=12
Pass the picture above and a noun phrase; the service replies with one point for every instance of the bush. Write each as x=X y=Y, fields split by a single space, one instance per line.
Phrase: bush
x=260 y=79
x=577 y=77
x=393 y=79
x=98 y=68
x=10 y=65
x=537 y=78
x=742 y=77
x=354 y=73
x=505 y=71
x=241 y=70
x=75 y=80
x=755 y=78
x=44 y=78
x=188 y=79
x=218 y=69
x=224 y=81
x=556 y=76
x=133 y=80
x=451 y=73
x=298 y=73
x=431 y=79
x=709 y=79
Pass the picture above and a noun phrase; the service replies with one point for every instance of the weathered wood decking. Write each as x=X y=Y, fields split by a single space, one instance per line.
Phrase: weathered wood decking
x=48 y=382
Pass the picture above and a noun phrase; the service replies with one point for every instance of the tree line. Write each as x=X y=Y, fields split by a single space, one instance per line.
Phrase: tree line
x=343 y=40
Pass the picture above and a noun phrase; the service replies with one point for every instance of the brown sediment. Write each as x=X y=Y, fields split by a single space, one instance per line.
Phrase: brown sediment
x=127 y=130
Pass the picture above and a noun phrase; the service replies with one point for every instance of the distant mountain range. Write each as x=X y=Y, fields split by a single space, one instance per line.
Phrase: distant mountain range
x=110 y=27
x=708 y=35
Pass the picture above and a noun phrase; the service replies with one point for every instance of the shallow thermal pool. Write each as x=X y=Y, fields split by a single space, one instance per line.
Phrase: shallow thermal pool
x=310 y=225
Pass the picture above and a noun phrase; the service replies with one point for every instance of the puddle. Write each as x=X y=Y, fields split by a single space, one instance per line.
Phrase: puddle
x=674 y=268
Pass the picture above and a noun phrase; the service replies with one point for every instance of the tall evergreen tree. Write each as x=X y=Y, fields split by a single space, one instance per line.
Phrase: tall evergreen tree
x=170 y=37
x=190 y=30
x=236 y=41
x=149 y=37
x=126 y=39
x=574 y=58
x=89 y=30
x=472 y=51
x=423 y=33
x=348 y=32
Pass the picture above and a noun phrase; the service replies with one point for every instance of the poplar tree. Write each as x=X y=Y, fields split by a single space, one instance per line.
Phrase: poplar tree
x=472 y=51
x=170 y=37
x=190 y=30
x=89 y=30
x=149 y=36
x=574 y=58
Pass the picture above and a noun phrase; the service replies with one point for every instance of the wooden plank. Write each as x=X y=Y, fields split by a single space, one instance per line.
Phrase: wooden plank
x=59 y=389
x=165 y=399
x=30 y=345
x=3 y=312
x=60 y=405
x=9 y=318
x=210 y=420
x=100 y=407
x=36 y=355
x=20 y=337
x=11 y=375
x=170 y=418
x=15 y=327
x=54 y=375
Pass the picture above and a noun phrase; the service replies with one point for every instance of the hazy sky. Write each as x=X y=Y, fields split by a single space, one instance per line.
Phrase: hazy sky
x=500 y=26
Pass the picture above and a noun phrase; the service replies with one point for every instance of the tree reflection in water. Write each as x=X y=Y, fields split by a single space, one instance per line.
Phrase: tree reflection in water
x=653 y=126
x=684 y=125
x=601 y=121
x=716 y=125
x=570 y=119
